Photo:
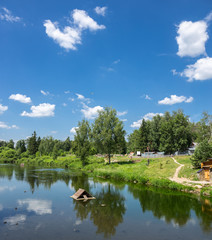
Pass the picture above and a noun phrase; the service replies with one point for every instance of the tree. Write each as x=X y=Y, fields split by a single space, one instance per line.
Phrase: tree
x=108 y=132
x=167 y=135
x=67 y=144
x=10 y=144
x=82 y=141
x=20 y=146
x=204 y=127
x=144 y=131
x=202 y=153
x=181 y=131
x=46 y=145
x=32 y=144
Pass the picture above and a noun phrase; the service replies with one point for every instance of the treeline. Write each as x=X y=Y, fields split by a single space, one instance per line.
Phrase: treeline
x=168 y=133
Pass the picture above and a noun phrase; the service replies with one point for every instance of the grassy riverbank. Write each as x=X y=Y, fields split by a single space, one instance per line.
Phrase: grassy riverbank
x=136 y=170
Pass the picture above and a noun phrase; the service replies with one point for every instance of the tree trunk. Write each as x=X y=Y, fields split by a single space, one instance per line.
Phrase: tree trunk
x=109 y=157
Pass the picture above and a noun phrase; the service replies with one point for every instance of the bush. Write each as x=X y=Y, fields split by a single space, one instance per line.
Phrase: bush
x=202 y=153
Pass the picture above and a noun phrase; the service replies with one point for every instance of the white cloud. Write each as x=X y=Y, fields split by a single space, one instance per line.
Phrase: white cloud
x=201 y=70
x=147 y=97
x=175 y=99
x=20 y=98
x=148 y=116
x=5 y=126
x=208 y=18
x=53 y=132
x=42 y=110
x=82 y=98
x=67 y=92
x=3 y=108
x=40 y=207
x=71 y=99
x=44 y=93
x=70 y=36
x=73 y=130
x=1 y=207
x=191 y=38
x=91 y=113
x=64 y=104
x=16 y=219
x=83 y=21
x=121 y=113
x=124 y=120
x=6 y=15
x=100 y=10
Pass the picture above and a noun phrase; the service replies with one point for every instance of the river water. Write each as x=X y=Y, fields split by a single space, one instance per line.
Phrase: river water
x=35 y=204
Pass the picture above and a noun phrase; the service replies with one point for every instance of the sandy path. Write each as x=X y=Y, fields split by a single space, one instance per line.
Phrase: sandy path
x=175 y=178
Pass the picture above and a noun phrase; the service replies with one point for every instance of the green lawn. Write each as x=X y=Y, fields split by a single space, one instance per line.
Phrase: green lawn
x=187 y=171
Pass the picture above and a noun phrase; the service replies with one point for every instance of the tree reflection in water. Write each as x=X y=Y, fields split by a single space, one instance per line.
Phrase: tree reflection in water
x=107 y=211
x=174 y=207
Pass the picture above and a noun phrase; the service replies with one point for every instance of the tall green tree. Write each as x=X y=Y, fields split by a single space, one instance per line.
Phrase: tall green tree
x=32 y=144
x=108 y=132
x=20 y=146
x=167 y=134
x=82 y=141
x=10 y=144
x=204 y=128
x=181 y=131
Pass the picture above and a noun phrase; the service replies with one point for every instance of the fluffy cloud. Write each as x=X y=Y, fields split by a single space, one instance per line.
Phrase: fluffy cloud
x=201 y=70
x=121 y=113
x=191 y=38
x=73 y=130
x=100 y=10
x=70 y=36
x=148 y=116
x=20 y=98
x=44 y=93
x=42 y=110
x=6 y=15
x=83 y=21
x=5 y=126
x=175 y=99
x=40 y=207
x=3 y=108
x=91 y=113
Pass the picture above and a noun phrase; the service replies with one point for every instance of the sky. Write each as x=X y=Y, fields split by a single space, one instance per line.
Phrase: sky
x=63 y=61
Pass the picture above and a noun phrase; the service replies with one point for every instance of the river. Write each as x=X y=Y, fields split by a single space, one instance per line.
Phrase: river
x=35 y=204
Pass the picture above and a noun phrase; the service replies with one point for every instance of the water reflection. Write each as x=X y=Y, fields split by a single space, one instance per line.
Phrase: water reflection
x=109 y=210
x=175 y=207
x=40 y=207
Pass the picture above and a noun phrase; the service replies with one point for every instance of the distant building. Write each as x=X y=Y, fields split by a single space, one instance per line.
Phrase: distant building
x=205 y=173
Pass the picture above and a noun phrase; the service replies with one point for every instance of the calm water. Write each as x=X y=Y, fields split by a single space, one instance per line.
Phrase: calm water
x=35 y=204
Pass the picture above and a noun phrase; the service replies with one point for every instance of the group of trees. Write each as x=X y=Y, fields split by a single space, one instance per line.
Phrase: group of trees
x=106 y=135
x=168 y=133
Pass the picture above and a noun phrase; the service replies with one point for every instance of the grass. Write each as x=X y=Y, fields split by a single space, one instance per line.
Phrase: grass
x=156 y=174
x=187 y=171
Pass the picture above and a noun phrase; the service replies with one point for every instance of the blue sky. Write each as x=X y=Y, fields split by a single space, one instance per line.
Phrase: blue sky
x=62 y=61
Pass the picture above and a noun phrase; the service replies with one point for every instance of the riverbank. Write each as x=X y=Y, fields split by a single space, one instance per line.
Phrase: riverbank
x=156 y=172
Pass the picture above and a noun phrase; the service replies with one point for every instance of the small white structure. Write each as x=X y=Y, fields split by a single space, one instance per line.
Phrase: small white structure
x=138 y=153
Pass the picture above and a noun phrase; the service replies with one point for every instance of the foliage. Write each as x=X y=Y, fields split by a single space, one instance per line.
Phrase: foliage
x=202 y=153
x=108 y=133
x=33 y=144
x=82 y=140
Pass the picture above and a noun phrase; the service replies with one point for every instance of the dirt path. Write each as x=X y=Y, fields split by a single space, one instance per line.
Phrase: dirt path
x=186 y=181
